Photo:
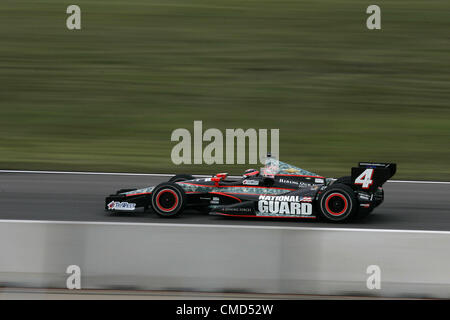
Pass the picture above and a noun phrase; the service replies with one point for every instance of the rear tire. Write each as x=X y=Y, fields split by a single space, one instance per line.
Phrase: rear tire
x=338 y=203
x=168 y=200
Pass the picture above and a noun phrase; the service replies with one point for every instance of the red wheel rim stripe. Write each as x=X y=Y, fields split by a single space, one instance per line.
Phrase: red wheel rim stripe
x=161 y=207
x=340 y=196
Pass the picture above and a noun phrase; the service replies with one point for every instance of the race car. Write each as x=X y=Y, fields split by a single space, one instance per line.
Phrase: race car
x=278 y=190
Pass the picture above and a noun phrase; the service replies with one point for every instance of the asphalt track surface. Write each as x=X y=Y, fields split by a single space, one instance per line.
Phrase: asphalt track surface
x=80 y=197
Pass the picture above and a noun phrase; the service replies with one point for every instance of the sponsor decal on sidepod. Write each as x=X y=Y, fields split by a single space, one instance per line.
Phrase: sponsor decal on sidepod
x=284 y=205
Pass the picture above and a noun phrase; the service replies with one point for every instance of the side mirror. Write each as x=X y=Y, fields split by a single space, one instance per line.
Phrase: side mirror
x=222 y=176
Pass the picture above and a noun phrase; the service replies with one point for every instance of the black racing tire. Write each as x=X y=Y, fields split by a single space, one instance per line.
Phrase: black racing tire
x=168 y=199
x=338 y=203
x=181 y=177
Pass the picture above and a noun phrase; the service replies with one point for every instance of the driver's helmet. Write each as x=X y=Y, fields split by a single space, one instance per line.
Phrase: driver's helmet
x=251 y=173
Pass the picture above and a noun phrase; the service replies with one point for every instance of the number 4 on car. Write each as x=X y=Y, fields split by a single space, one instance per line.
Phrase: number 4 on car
x=365 y=179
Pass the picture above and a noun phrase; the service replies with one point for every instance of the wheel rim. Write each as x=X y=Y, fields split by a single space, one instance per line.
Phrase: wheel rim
x=336 y=204
x=167 y=200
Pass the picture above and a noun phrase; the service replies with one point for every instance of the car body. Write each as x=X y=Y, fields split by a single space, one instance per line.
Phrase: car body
x=279 y=190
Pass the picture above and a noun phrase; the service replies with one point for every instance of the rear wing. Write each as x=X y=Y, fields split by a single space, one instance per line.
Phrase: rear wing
x=369 y=176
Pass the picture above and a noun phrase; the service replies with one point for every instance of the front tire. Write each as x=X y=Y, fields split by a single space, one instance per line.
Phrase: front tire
x=338 y=203
x=168 y=199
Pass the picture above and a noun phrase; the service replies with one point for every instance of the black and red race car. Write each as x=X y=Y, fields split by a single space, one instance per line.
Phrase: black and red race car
x=278 y=190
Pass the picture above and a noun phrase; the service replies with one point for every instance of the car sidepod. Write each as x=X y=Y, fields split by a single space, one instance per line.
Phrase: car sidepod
x=295 y=204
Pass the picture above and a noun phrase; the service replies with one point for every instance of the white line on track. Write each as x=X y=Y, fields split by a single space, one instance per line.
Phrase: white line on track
x=164 y=175
x=89 y=173
x=416 y=181
x=223 y=226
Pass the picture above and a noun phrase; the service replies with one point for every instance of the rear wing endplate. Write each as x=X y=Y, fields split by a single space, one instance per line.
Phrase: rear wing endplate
x=368 y=176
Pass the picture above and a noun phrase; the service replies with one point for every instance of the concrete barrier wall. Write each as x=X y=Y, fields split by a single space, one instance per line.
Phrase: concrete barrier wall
x=225 y=258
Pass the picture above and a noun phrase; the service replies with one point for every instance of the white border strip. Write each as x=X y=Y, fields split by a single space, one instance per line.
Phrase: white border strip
x=223 y=226
x=164 y=175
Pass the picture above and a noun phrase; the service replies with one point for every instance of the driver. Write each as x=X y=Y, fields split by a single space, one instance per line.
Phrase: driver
x=250 y=173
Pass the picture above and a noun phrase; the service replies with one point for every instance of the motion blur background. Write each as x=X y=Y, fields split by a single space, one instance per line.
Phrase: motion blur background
x=107 y=97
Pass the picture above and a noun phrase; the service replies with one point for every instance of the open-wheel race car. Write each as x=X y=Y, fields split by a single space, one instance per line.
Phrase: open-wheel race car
x=278 y=190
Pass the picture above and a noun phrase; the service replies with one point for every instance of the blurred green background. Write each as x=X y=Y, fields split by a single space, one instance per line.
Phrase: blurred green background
x=108 y=97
